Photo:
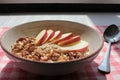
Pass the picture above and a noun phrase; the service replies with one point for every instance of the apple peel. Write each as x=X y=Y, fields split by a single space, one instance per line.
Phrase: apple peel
x=57 y=35
x=50 y=34
x=63 y=37
x=40 y=37
x=70 y=41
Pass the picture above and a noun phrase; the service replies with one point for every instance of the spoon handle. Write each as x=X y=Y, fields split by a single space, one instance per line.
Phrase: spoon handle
x=105 y=64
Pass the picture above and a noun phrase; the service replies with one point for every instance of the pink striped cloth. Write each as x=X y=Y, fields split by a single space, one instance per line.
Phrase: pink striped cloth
x=8 y=71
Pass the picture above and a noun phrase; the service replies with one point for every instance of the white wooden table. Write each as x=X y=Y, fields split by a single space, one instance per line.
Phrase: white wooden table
x=90 y=19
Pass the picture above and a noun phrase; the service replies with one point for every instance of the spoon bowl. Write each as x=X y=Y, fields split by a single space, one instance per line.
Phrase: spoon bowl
x=111 y=35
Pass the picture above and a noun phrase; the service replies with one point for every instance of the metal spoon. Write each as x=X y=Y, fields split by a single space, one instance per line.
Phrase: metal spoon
x=111 y=35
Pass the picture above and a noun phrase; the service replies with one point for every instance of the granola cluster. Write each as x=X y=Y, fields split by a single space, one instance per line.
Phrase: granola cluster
x=25 y=48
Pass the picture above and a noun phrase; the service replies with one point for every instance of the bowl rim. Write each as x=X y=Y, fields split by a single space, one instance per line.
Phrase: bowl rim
x=38 y=62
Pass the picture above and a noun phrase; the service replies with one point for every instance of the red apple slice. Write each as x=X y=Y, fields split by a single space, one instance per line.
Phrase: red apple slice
x=70 y=41
x=41 y=37
x=50 y=35
x=63 y=37
x=81 y=46
x=57 y=35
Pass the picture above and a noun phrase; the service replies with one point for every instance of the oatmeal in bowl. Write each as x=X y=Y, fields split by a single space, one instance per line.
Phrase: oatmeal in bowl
x=54 y=49
x=51 y=47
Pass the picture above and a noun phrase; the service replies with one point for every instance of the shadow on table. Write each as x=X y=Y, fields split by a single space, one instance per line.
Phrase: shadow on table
x=12 y=72
x=104 y=19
